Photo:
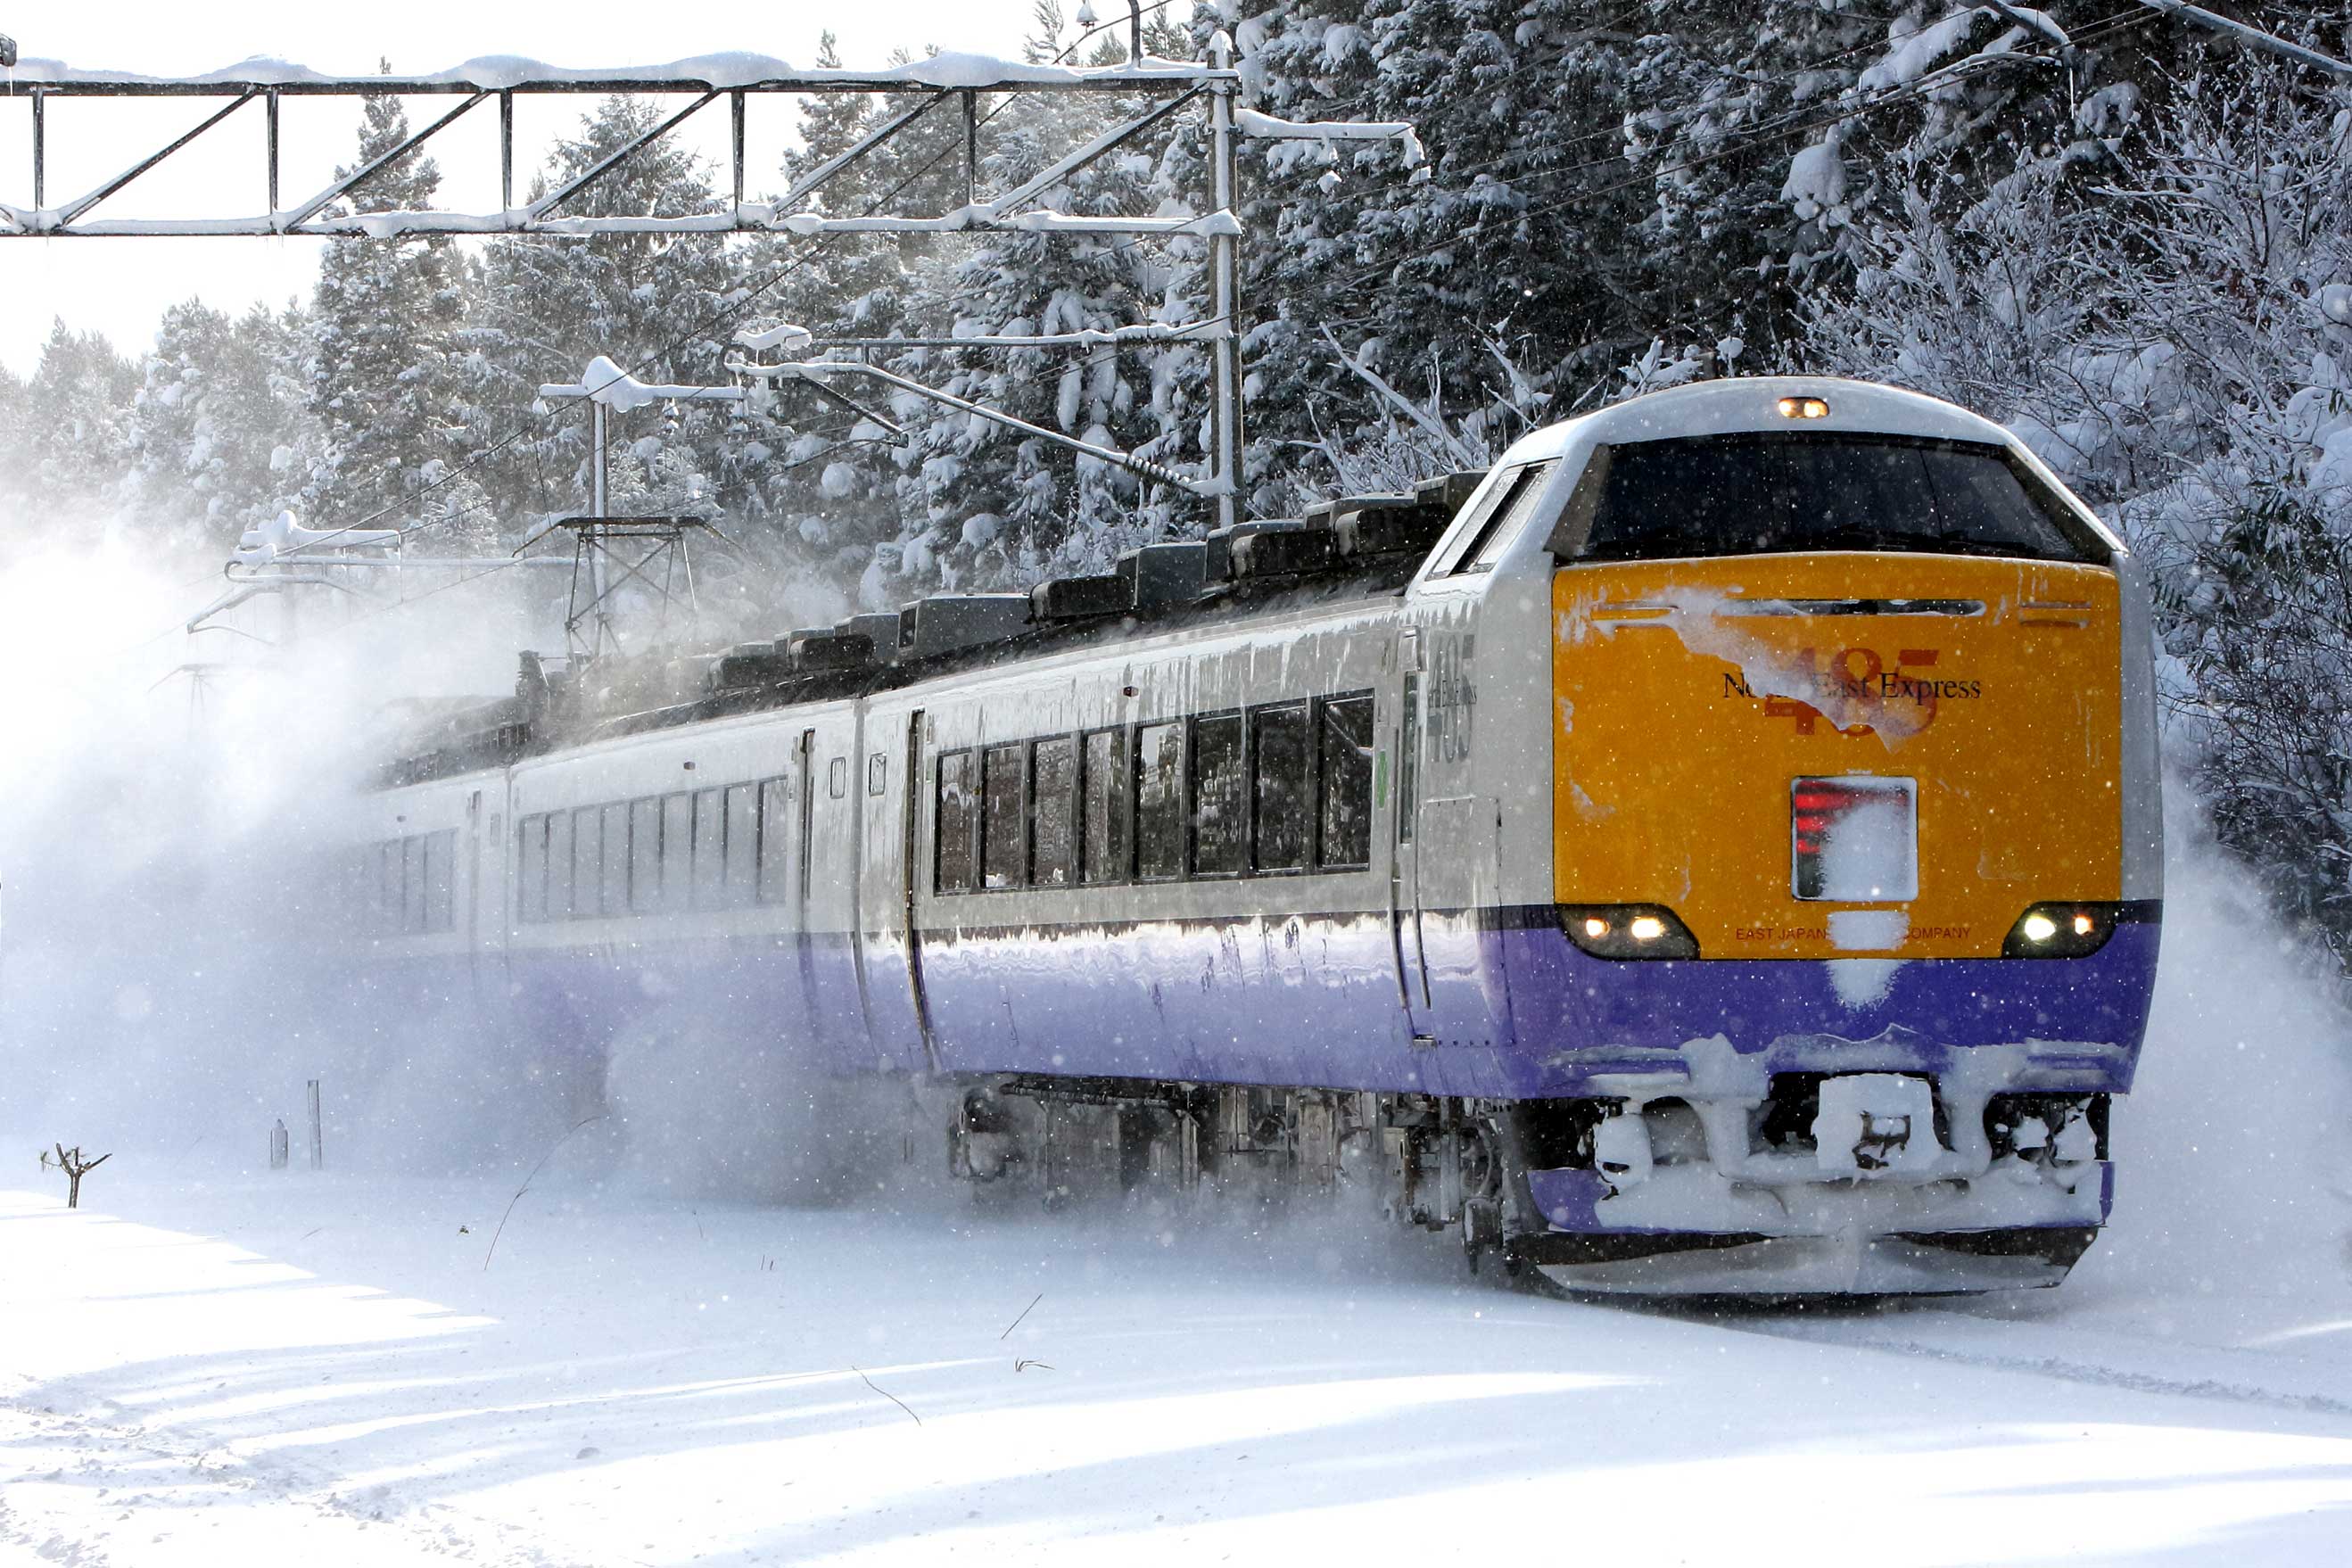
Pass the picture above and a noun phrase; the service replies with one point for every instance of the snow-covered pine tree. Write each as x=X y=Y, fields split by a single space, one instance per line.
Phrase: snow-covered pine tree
x=383 y=382
x=72 y=449
x=16 y=453
x=1616 y=198
x=1490 y=276
x=220 y=425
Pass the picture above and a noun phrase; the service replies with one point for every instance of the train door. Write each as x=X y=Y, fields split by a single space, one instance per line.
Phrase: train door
x=881 y=788
x=1404 y=866
x=911 y=860
x=1448 y=867
x=470 y=921
x=853 y=825
x=804 y=829
x=802 y=832
x=483 y=916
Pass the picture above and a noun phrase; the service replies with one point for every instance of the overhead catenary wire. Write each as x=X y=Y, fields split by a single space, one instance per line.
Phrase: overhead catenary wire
x=2252 y=36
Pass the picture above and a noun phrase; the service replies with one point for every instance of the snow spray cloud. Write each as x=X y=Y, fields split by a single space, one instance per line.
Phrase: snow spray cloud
x=2232 y=1175
x=171 y=802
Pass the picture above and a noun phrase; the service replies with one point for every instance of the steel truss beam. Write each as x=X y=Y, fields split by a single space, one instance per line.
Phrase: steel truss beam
x=930 y=83
x=927 y=83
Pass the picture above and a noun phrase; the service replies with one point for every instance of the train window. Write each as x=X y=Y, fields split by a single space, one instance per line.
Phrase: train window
x=1779 y=491
x=1488 y=520
x=558 y=865
x=1159 y=800
x=412 y=871
x=1220 y=797
x=1280 y=797
x=645 y=856
x=958 y=825
x=1052 y=797
x=877 y=772
x=1102 y=818
x=531 y=895
x=742 y=843
x=587 y=863
x=616 y=858
x=440 y=880
x=677 y=851
x=1344 y=773
x=710 y=851
x=775 y=868
x=1409 y=761
x=1509 y=518
x=836 y=777
x=1003 y=850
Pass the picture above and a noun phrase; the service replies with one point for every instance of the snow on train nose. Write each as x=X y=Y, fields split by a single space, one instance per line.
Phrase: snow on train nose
x=1875 y=1121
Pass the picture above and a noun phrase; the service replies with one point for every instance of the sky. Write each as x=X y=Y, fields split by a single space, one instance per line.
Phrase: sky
x=121 y=287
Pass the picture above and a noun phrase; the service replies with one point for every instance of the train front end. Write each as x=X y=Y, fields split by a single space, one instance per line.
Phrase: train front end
x=1857 y=854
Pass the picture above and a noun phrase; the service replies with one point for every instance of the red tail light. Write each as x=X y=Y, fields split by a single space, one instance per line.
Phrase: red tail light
x=1877 y=858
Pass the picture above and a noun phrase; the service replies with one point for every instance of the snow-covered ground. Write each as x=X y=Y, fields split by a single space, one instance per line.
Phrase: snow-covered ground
x=212 y=1364
x=259 y=1365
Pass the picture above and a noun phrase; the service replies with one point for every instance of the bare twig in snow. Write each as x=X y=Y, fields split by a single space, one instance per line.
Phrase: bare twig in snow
x=527 y=1181
x=888 y=1395
x=1426 y=418
x=1025 y=1313
x=75 y=1166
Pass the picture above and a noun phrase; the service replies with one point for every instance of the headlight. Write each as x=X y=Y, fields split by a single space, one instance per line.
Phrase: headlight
x=1627 y=930
x=2060 y=930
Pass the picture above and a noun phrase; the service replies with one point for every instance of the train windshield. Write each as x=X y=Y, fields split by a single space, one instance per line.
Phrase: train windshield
x=1768 y=492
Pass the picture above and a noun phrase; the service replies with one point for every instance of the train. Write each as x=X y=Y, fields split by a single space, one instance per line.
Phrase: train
x=1715 y=850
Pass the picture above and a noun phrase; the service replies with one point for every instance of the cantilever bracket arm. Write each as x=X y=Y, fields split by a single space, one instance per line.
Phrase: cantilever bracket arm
x=244 y=588
x=844 y=401
x=2253 y=37
x=812 y=371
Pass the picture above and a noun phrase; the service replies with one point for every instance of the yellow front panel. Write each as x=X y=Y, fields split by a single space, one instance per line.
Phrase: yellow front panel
x=1691 y=694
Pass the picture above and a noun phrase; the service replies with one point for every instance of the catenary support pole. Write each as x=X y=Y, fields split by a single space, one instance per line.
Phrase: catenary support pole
x=600 y=490
x=317 y=1133
x=1224 y=266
